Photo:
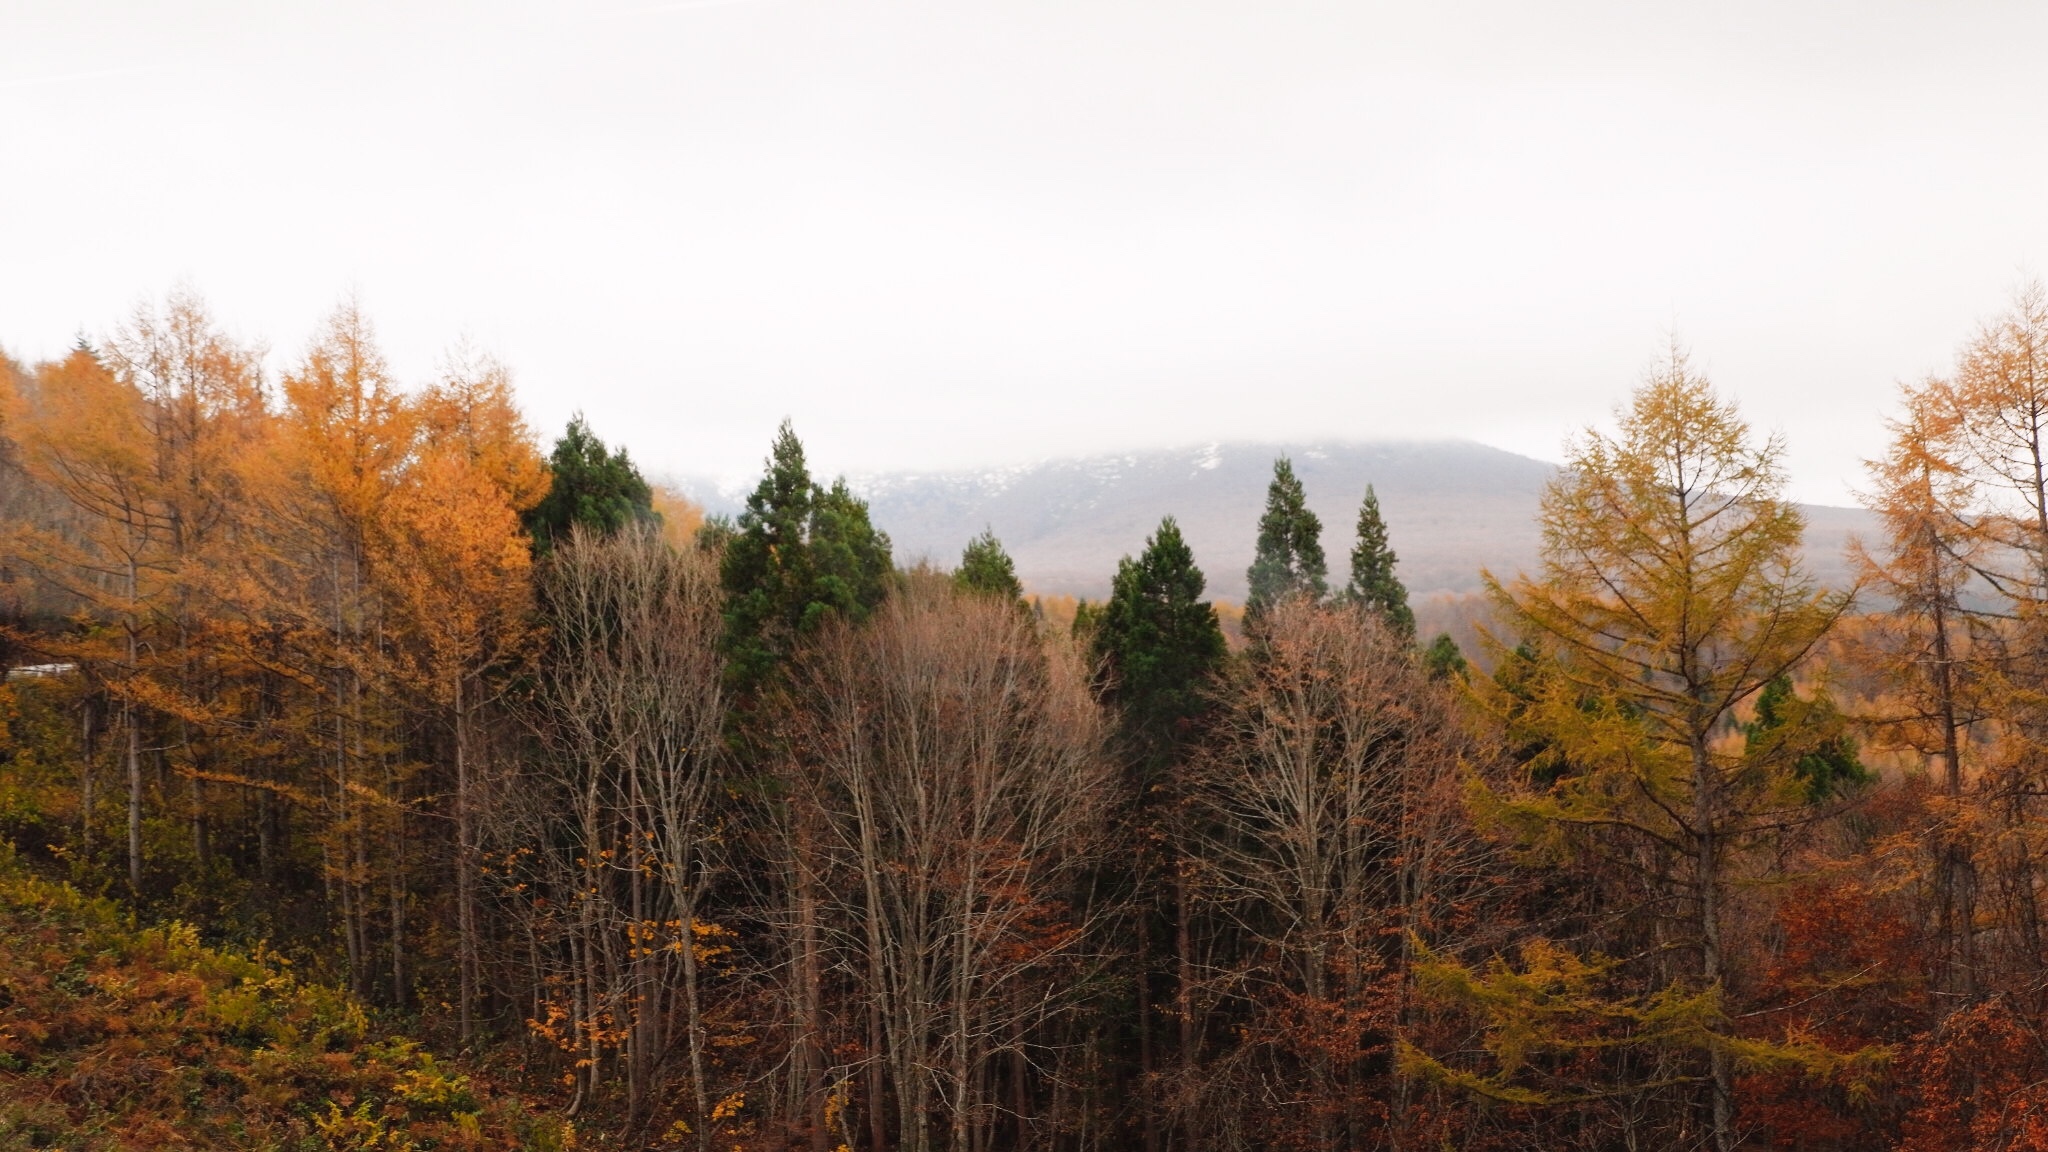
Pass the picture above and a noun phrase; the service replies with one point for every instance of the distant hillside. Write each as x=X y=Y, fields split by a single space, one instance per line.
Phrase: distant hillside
x=1452 y=507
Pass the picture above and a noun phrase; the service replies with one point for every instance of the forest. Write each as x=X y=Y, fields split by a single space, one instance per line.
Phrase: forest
x=376 y=775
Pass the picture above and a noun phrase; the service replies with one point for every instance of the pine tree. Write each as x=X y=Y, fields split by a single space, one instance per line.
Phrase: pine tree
x=592 y=486
x=988 y=570
x=1160 y=643
x=798 y=555
x=1373 y=583
x=1289 y=560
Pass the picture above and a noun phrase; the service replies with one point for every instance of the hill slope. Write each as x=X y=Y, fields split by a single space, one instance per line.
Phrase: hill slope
x=1452 y=508
x=116 y=1038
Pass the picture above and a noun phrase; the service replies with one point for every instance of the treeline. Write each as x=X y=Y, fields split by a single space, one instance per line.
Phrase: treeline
x=733 y=833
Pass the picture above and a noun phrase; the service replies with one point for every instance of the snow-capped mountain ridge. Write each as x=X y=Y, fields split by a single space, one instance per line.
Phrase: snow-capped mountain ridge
x=1452 y=508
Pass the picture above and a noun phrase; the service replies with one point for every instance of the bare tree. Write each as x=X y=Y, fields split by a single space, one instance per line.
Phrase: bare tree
x=1326 y=831
x=630 y=708
x=947 y=767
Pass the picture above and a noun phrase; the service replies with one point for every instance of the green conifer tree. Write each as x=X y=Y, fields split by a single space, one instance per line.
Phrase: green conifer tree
x=1831 y=767
x=1373 y=583
x=988 y=570
x=1289 y=560
x=1443 y=659
x=1160 y=644
x=850 y=561
x=591 y=486
x=1087 y=617
x=797 y=555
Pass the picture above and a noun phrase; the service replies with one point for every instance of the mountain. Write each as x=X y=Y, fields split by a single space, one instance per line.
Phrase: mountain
x=1452 y=508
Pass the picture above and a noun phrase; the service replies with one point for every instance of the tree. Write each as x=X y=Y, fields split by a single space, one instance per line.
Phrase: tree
x=624 y=812
x=1924 y=495
x=142 y=448
x=337 y=460
x=1289 y=556
x=987 y=570
x=591 y=486
x=1831 y=767
x=1443 y=658
x=953 y=769
x=1985 y=510
x=850 y=562
x=457 y=562
x=1326 y=831
x=1158 y=648
x=1670 y=594
x=798 y=555
x=1373 y=584
x=1160 y=645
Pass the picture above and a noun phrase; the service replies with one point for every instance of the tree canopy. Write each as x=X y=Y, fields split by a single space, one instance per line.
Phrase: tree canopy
x=1289 y=559
x=1373 y=585
x=591 y=486
x=1159 y=642
x=798 y=555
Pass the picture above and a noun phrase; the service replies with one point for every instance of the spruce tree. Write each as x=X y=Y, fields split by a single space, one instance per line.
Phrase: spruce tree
x=797 y=555
x=591 y=486
x=1373 y=583
x=988 y=570
x=1160 y=644
x=1289 y=560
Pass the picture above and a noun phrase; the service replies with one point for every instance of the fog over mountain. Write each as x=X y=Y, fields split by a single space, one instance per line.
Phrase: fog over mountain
x=1452 y=507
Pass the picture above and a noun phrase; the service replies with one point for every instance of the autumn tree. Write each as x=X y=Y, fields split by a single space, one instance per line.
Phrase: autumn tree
x=141 y=446
x=1925 y=500
x=1670 y=595
x=336 y=463
x=618 y=825
x=1326 y=829
x=958 y=769
x=455 y=562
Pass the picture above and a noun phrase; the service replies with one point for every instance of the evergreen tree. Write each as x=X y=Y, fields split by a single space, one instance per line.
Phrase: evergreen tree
x=850 y=561
x=797 y=555
x=1087 y=617
x=986 y=569
x=1443 y=659
x=1373 y=583
x=1829 y=768
x=1289 y=560
x=591 y=486
x=1159 y=642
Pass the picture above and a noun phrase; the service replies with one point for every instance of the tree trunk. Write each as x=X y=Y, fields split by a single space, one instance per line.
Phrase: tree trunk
x=810 y=1063
x=465 y=874
x=85 y=775
x=1184 y=994
x=1720 y=1086
x=1145 y=1068
x=133 y=725
x=1957 y=879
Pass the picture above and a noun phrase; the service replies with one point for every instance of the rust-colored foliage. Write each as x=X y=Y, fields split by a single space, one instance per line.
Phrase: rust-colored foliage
x=114 y=1038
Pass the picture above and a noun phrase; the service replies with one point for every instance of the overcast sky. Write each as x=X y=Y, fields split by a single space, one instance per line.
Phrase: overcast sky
x=948 y=233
